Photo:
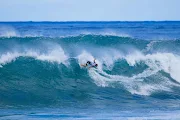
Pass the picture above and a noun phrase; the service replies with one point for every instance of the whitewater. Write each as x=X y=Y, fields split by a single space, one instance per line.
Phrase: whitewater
x=137 y=75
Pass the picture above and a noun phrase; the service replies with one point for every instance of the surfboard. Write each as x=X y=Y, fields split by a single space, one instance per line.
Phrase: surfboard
x=88 y=66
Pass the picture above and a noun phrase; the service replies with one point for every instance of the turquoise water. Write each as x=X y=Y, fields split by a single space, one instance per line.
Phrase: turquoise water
x=137 y=75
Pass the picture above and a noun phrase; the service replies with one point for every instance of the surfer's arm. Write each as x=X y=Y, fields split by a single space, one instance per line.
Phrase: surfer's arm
x=95 y=60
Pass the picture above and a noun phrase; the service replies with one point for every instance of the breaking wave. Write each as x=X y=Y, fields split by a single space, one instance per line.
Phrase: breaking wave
x=50 y=68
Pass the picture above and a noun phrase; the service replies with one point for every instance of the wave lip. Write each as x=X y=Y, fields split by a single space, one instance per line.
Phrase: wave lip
x=54 y=55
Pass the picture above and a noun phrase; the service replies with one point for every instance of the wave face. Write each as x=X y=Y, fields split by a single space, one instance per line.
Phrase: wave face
x=45 y=69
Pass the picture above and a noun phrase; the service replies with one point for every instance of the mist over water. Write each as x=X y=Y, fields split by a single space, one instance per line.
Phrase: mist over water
x=40 y=65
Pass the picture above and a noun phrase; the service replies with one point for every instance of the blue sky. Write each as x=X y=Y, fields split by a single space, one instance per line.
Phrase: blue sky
x=89 y=10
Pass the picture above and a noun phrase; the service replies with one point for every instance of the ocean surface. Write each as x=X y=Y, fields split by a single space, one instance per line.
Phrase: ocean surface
x=138 y=74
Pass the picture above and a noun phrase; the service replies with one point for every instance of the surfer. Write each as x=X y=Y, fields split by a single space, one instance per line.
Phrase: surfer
x=90 y=64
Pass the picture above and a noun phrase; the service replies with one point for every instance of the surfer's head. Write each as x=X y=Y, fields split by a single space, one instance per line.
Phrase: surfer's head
x=96 y=65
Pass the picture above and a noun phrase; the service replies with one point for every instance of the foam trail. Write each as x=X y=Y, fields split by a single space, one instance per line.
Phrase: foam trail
x=136 y=84
x=167 y=62
x=131 y=84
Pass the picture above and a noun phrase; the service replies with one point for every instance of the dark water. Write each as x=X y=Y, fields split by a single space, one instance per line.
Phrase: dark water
x=137 y=75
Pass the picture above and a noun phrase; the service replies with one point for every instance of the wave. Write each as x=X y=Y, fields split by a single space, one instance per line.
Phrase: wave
x=55 y=55
x=134 y=82
x=50 y=68
x=8 y=31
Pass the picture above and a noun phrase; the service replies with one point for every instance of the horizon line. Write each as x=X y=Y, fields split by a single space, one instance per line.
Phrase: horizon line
x=101 y=21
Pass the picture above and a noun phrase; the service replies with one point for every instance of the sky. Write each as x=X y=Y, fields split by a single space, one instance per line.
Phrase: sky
x=89 y=10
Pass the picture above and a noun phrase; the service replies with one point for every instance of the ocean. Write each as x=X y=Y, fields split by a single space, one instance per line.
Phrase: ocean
x=138 y=73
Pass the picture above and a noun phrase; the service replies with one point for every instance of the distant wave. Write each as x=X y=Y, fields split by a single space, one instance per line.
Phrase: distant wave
x=9 y=31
